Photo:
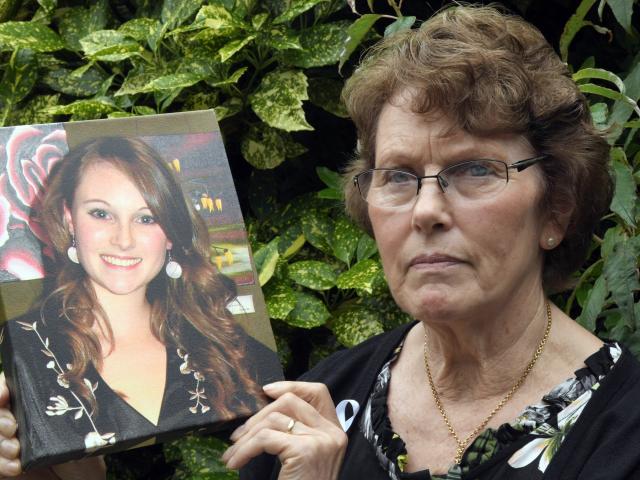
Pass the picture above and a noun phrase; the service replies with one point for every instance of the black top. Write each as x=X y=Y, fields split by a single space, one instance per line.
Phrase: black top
x=604 y=442
x=56 y=424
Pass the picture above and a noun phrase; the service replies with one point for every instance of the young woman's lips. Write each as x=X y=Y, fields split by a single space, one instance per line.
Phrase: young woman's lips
x=120 y=262
x=434 y=261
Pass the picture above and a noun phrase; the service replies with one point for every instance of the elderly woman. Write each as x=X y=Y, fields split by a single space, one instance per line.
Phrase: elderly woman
x=482 y=178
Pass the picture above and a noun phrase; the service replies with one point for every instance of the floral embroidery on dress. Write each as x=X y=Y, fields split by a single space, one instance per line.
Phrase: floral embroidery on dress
x=549 y=438
x=197 y=394
x=60 y=405
x=547 y=423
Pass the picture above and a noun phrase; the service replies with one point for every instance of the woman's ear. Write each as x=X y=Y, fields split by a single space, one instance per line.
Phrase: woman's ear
x=68 y=218
x=553 y=232
x=169 y=245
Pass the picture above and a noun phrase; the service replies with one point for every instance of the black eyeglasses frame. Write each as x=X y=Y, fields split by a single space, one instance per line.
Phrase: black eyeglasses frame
x=519 y=166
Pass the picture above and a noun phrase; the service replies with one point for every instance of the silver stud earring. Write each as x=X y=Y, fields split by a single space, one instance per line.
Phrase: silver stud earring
x=72 y=251
x=173 y=268
x=551 y=241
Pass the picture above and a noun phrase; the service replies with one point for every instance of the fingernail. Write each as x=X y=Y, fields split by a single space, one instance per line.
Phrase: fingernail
x=237 y=433
x=8 y=448
x=269 y=386
x=6 y=425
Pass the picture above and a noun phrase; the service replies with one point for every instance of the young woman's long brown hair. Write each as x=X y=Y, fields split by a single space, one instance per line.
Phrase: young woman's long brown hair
x=188 y=313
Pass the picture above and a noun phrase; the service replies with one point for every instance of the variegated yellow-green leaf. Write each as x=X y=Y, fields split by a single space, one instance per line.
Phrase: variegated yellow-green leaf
x=366 y=247
x=321 y=45
x=355 y=34
x=313 y=274
x=317 y=229
x=136 y=81
x=139 y=28
x=230 y=80
x=48 y=5
x=143 y=30
x=309 y=311
x=625 y=193
x=175 y=80
x=282 y=38
x=257 y=21
x=278 y=100
x=266 y=259
x=19 y=76
x=295 y=8
x=176 y=12
x=361 y=276
x=325 y=93
x=219 y=21
x=78 y=22
x=290 y=236
x=385 y=306
x=35 y=36
x=34 y=110
x=233 y=47
x=344 y=239
x=201 y=101
x=263 y=147
x=88 y=109
x=229 y=108
x=354 y=324
x=143 y=110
x=109 y=46
x=293 y=149
x=280 y=299
x=61 y=80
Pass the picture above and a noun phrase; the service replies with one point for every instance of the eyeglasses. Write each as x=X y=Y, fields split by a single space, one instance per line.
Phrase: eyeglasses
x=472 y=180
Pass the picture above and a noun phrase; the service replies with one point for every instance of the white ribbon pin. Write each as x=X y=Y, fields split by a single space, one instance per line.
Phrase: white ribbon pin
x=341 y=412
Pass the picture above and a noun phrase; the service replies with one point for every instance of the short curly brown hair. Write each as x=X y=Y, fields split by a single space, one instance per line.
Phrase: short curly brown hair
x=491 y=72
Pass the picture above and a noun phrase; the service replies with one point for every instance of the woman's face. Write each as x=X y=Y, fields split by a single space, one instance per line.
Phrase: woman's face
x=120 y=245
x=446 y=256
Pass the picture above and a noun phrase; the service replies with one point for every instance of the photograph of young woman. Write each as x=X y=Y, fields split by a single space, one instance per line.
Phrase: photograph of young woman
x=135 y=338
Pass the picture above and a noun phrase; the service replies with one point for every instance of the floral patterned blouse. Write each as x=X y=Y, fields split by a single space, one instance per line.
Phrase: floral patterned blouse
x=545 y=425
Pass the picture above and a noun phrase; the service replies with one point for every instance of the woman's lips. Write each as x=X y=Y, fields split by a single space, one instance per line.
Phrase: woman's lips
x=434 y=261
x=121 y=262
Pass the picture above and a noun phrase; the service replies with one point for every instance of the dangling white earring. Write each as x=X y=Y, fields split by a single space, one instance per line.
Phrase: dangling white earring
x=173 y=268
x=72 y=251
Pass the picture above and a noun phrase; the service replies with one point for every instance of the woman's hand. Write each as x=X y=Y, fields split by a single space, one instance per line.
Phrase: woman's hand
x=300 y=427
x=86 y=469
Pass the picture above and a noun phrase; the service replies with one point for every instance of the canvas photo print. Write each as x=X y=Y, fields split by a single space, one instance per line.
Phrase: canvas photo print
x=133 y=313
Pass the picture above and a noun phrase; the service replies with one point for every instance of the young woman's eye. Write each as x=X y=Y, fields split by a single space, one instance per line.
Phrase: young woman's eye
x=147 y=219
x=99 y=213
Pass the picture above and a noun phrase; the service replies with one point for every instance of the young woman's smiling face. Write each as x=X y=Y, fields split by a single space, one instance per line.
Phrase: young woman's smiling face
x=120 y=245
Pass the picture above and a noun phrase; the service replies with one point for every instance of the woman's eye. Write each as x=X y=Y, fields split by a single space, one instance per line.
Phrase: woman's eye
x=99 y=213
x=473 y=169
x=397 y=177
x=147 y=220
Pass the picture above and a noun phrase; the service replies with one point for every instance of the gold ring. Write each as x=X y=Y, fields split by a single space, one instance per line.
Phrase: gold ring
x=292 y=423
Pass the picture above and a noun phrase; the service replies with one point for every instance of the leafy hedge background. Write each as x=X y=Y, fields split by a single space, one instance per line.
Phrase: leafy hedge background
x=273 y=70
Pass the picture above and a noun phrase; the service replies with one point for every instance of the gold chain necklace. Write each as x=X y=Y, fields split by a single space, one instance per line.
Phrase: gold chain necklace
x=462 y=444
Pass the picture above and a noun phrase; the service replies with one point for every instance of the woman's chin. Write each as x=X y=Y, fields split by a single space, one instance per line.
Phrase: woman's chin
x=435 y=304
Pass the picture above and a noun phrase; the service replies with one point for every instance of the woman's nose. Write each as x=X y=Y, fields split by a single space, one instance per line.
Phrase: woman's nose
x=123 y=236
x=431 y=209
